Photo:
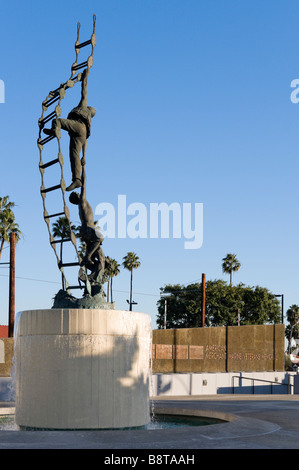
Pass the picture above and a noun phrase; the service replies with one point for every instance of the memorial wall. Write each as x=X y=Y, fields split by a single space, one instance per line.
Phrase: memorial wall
x=219 y=349
x=6 y=356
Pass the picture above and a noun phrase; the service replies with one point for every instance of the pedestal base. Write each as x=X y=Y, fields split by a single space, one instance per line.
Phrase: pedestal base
x=82 y=369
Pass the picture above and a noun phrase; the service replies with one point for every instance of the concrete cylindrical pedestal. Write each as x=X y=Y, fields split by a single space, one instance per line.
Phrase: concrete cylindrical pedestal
x=82 y=369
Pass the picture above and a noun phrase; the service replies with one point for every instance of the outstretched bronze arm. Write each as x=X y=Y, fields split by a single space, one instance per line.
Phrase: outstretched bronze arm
x=84 y=80
x=83 y=179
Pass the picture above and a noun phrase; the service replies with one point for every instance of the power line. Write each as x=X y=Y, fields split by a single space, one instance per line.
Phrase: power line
x=120 y=291
x=31 y=279
x=191 y=282
x=137 y=293
x=54 y=282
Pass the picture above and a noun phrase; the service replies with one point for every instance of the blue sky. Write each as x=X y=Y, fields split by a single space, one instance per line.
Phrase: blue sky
x=193 y=105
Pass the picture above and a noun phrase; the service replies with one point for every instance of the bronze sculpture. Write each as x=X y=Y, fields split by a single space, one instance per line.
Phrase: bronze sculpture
x=93 y=265
x=77 y=125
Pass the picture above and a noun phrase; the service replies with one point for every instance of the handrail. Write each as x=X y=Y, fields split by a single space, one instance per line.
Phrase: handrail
x=261 y=380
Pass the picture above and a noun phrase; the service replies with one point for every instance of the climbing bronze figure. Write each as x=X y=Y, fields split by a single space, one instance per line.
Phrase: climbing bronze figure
x=94 y=258
x=77 y=124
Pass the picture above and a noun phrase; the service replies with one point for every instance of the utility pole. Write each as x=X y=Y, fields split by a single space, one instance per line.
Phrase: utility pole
x=11 y=313
x=203 y=299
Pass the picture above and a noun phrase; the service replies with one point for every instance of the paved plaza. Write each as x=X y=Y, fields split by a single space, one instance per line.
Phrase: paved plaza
x=257 y=422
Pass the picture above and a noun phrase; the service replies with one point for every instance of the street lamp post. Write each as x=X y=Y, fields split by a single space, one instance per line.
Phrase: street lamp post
x=165 y=296
x=131 y=302
x=281 y=295
x=165 y=313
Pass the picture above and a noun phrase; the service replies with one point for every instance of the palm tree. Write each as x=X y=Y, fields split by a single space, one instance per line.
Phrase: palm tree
x=61 y=229
x=7 y=222
x=5 y=204
x=114 y=272
x=131 y=261
x=230 y=264
x=108 y=273
x=293 y=319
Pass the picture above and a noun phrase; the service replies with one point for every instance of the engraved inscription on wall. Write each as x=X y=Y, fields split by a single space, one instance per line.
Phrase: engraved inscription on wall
x=215 y=351
x=247 y=356
x=210 y=352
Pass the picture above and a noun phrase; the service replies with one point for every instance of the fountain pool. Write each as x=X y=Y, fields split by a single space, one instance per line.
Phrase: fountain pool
x=158 y=421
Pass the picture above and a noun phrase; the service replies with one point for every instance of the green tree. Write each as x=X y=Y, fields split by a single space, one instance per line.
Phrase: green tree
x=230 y=264
x=260 y=306
x=293 y=319
x=108 y=274
x=256 y=305
x=183 y=306
x=61 y=229
x=291 y=332
x=8 y=224
x=131 y=261
x=222 y=303
x=114 y=272
x=111 y=271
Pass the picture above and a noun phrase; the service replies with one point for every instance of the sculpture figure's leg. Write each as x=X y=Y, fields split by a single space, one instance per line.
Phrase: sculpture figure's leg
x=77 y=133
